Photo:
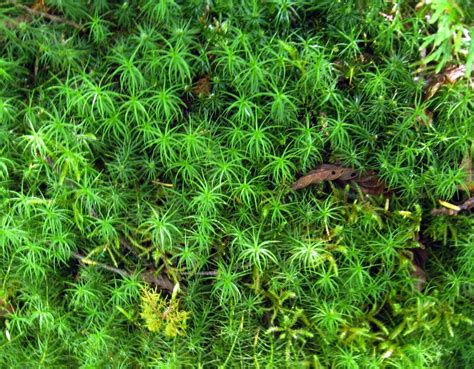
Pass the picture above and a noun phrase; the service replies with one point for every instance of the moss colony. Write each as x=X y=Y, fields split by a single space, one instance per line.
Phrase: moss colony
x=236 y=184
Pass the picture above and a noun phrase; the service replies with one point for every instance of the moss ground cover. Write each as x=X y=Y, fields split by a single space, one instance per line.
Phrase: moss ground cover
x=254 y=184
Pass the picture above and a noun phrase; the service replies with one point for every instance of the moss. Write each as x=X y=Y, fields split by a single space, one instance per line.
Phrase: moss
x=151 y=144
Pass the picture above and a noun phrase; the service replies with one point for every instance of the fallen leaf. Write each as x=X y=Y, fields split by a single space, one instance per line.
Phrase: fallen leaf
x=368 y=182
x=452 y=74
x=449 y=75
x=325 y=172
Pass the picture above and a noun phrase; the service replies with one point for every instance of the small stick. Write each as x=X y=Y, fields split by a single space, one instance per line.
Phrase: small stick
x=51 y=17
x=204 y=273
x=169 y=185
x=149 y=277
x=467 y=205
x=86 y=260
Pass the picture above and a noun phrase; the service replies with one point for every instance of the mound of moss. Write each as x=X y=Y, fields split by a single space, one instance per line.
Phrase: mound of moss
x=223 y=184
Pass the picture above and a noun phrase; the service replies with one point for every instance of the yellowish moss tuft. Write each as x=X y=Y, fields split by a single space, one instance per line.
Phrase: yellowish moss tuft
x=162 y=315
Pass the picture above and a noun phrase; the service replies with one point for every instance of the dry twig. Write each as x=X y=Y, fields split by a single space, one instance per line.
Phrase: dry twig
x=51 y=17
x=455 y=210
x=149 y=277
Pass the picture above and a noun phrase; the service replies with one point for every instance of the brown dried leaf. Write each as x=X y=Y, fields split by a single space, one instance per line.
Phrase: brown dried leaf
x=374 y=190
x=369 y=182
x=449 y=75
x=326 y=172
x=332 y=171
x=452 y=74
x=349 y=174
x=433 y=86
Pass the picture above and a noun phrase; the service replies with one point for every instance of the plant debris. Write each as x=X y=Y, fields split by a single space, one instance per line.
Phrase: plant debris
x=449 y=76
x=418 y=260
x=468 y=169
x=149 y=277
x=202 y=87
x=451 y=209
x=38 y=9
x=5 y=308
x=368 y=182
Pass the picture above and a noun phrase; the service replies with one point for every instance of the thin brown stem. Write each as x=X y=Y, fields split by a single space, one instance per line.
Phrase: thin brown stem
x=148 y=277
x=467 y=205
x=86 y=260
x=51 y=17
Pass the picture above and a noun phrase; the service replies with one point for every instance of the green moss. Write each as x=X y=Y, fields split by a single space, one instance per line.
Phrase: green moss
x=146 y=145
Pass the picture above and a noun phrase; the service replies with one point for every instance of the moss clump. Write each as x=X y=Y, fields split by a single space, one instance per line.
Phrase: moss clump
x=151 y=144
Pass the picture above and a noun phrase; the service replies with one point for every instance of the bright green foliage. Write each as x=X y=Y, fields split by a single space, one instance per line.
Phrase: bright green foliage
x=160 y=138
